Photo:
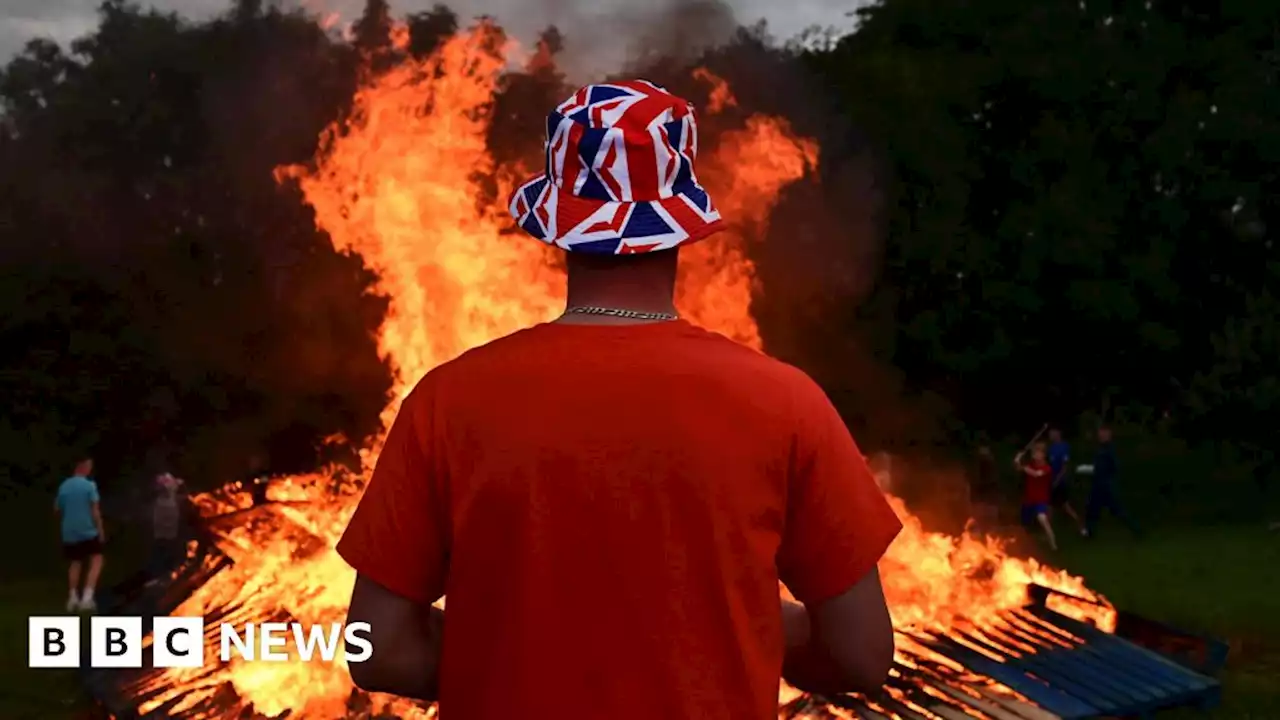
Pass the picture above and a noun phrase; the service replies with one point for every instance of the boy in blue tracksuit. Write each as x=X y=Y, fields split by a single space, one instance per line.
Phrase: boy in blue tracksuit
x=1102 y=491
x=1060 y=492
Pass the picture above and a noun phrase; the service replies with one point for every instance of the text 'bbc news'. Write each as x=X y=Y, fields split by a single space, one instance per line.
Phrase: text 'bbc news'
x=186 y=642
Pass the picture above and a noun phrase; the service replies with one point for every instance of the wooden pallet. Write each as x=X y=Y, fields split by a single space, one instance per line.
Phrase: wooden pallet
x=1057 y=666
x=1034 y=664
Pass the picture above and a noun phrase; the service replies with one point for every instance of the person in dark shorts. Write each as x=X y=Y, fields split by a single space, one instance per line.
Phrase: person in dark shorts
x=80 y=518
x=1036 y=481
x=1102 y=490
x=1060 y=490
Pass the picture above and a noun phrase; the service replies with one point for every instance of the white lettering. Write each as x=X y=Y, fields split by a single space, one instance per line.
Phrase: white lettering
x=228 y=636
x=316 y=636
x=323 y=641
x=354 y=641
x=273 y=637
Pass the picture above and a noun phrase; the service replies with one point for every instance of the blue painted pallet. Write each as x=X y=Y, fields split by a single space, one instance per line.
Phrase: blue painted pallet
x=1075 y=671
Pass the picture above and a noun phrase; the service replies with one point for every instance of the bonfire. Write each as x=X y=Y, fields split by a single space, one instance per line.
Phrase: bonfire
x=397 y=182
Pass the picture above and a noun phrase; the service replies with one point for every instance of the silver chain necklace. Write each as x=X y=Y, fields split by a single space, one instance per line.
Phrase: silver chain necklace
x=618 y=312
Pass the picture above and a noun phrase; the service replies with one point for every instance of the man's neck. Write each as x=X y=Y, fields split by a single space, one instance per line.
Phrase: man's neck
x=636 y=303
x=638 y=284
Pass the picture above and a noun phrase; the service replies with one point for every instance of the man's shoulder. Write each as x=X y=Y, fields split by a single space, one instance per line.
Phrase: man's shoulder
x=469 y=366
x=688 y=340
x=754 y=370
x=499 y=350
x=77 y=487
x=691 y=350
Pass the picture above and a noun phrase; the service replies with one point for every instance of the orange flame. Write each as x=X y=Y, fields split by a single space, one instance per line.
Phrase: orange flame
x=398 y=183
x=721 y=96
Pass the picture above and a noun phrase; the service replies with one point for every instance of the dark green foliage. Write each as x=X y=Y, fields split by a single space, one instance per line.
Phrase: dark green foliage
x=1080 y=198
x=1023 y=212
x=165 y=300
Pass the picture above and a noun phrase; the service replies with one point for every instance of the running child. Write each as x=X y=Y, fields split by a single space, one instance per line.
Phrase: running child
x=1037 y=478
x=1060 y=492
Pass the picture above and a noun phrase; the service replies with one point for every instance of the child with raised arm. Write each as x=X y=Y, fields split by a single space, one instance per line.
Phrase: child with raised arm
x=1037 y=479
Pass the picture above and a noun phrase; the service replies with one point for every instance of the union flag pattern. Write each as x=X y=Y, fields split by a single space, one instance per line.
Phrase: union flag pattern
x=619 y=175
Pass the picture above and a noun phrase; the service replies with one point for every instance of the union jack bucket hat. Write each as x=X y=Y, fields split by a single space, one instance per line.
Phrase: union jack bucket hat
x=619 y=174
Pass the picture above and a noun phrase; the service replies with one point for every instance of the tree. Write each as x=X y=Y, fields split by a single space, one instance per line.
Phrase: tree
x=373 y=30
x=177 y=296
x=1053 y=193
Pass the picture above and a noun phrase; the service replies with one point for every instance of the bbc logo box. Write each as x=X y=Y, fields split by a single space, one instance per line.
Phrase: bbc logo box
x=114 y=642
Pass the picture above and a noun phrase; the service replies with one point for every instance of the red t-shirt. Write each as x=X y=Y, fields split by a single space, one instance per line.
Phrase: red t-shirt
x=609 y=510
x=1037 y=477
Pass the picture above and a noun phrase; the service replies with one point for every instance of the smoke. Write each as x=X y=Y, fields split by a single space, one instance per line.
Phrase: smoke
x=608 y=36
x=673 y=31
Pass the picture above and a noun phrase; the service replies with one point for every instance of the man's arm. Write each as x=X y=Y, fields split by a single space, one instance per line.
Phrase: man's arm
x=838 y=526
x=398 y=542
x=846 y=645
x=95 y=509
x=406 y=637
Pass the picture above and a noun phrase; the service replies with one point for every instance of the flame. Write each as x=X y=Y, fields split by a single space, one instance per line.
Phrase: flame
x=721 y=96
x=402 y=183
x=936 y=582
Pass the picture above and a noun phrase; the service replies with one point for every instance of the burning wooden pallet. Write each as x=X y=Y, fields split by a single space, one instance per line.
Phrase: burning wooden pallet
x=1034 y=664
x=1055 y=666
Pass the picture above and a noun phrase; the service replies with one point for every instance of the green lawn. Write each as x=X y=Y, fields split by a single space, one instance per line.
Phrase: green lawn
x=1220 y=581
x=34 y=583
x=26 y=693
x=1223 y=581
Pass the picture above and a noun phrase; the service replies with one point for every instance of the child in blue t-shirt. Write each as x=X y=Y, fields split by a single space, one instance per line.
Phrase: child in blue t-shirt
x=80 y=518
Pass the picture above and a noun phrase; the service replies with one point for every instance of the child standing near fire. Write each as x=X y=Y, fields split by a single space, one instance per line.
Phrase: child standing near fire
x=1037 y=480
x=168 y=548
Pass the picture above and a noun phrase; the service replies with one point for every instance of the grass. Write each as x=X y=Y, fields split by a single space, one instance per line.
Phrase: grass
x=35 y=584
x=27 y=693
x=1222 y=581
x=1218 y=580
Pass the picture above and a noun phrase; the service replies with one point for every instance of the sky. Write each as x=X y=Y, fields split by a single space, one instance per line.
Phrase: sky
x=64 y=20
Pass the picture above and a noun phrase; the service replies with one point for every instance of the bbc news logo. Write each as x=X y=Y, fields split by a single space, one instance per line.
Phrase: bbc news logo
x=181 y=642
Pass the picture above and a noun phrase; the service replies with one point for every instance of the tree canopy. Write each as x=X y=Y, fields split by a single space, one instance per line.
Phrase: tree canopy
x=1024 y=211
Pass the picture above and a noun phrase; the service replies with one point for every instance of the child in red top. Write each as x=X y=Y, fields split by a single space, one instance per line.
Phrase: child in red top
x=1037 y=479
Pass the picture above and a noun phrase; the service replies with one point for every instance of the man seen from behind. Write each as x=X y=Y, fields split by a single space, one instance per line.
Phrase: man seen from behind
x=80 y=519
x=609 y=500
